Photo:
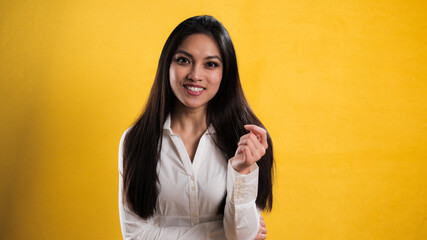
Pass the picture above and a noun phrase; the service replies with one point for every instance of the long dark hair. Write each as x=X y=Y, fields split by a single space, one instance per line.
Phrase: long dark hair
x=228 y=111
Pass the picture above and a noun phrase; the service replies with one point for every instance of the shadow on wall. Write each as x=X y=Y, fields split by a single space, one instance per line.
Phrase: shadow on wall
x=21 y=144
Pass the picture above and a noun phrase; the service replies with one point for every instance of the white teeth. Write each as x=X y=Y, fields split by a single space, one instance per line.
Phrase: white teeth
x=194 y=89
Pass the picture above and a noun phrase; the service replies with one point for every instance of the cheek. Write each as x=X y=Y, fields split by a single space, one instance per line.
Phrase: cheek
x=217 y=79
x=173 y=81
x=172 y=75
x=176 y=75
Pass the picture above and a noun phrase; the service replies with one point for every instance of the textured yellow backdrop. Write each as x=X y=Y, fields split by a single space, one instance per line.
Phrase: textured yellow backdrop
x=340 y=85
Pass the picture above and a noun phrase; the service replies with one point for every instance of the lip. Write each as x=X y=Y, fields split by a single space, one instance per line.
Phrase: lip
x=193 y=85
x=192 y=93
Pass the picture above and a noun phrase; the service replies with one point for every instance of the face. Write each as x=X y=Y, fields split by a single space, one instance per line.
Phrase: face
x=196 y=71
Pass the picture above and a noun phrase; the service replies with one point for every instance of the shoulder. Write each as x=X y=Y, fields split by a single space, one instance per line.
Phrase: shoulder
x=121 y=147
x=124 y=135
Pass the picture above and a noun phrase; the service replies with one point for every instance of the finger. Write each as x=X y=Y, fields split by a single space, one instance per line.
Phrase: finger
x=254 y=156
x=261 y=233
x=262 y=223
x=248 y=155
x=261 y=135
x=242 y=141
x=263 y=230
x=256 y=148
x=260 y=132
x=244 y=136
x=259 y=148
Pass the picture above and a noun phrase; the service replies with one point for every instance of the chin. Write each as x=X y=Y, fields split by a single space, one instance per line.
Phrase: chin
x=194 y=105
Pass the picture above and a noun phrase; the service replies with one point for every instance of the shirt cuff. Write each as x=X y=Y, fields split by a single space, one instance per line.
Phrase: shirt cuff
x=242 y=188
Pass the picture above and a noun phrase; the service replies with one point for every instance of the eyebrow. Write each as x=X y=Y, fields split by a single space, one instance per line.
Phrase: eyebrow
x=191 y=56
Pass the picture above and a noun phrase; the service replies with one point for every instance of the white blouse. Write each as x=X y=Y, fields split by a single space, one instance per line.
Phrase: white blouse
x=190 y=194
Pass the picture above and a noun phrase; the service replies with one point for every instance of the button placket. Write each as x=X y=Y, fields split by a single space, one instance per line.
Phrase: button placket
x=192 y=180
x=192 y=184
x=194 y=206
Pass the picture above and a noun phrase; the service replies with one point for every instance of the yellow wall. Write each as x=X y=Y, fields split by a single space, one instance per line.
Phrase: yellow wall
x=340 y=85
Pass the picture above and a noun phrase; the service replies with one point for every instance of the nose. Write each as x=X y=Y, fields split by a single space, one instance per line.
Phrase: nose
x=196 y=73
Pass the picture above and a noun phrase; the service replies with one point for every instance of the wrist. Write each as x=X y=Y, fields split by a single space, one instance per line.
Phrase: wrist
x=240 y=166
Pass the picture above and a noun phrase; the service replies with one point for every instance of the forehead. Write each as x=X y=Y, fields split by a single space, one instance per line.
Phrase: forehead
x=200 y=45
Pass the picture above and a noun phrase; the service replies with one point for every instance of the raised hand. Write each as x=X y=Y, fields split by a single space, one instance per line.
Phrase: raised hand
x=250 y=149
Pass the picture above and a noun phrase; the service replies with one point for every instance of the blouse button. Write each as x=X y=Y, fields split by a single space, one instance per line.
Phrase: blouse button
x=192 y=178
x=193 y=188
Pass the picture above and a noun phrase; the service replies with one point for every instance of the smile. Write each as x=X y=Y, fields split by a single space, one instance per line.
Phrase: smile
x=194 y=90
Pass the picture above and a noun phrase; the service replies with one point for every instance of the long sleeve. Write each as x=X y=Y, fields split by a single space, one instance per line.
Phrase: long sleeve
x=241 y=215
x=134 y=227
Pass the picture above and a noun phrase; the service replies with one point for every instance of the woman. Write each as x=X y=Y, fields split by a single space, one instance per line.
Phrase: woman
x=197 y=164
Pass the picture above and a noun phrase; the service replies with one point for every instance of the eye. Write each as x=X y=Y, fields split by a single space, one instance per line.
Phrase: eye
x=211 y=64
x=182 y=60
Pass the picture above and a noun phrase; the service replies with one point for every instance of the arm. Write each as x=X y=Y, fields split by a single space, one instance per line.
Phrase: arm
x=133 y=226
x=136 y=228
x=241 y=216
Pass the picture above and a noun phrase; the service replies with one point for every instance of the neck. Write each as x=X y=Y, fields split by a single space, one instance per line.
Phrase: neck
x=188 y=121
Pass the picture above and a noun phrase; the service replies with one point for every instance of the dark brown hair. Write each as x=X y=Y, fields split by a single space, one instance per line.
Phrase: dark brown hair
x=228 y=111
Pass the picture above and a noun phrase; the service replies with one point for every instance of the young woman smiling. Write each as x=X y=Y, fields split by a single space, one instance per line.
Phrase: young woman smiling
x=197 y=164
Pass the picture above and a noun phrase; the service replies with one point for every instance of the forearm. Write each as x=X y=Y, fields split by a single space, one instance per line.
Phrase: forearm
x=134 y=228
x=241 y=216
x=148 y=232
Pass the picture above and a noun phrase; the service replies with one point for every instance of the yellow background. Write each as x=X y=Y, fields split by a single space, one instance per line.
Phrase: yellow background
x=340 y=85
